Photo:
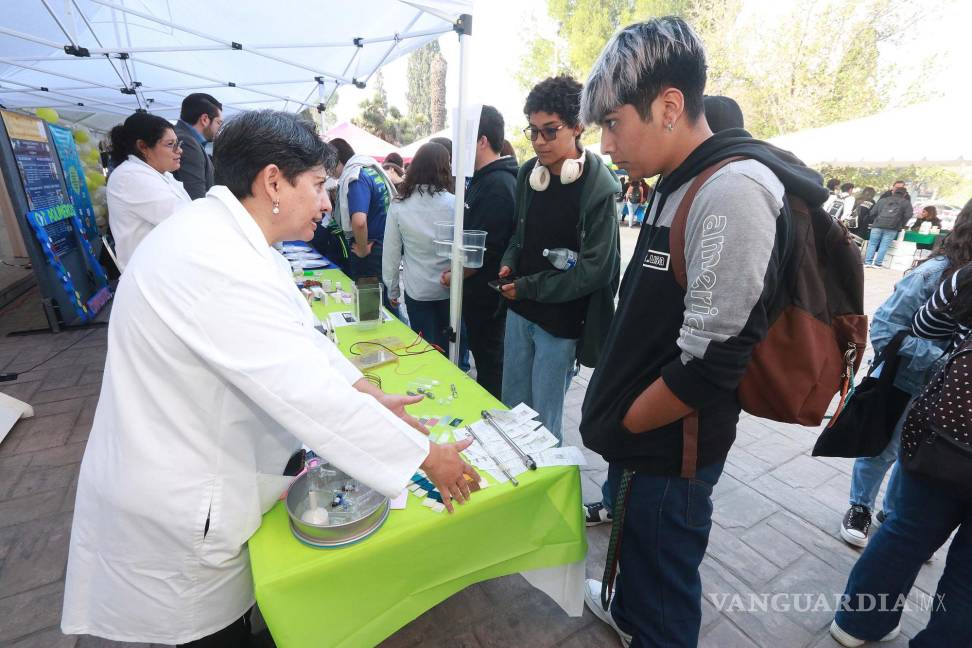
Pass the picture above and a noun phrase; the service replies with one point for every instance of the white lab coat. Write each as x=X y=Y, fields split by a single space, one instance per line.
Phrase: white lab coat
x=139 y=198
x=214 y=376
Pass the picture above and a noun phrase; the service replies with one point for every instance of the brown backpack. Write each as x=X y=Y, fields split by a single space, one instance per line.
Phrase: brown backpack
x=817 y=327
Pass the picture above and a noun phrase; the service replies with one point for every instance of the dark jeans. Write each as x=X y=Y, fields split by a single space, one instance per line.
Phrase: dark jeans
x=658 y=594
x=925 y=515
x=430 y=319
x=485 y=331
x=236 y=635
x=370 y=266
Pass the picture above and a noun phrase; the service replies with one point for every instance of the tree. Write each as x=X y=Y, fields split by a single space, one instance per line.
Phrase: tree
x=809 y=64
x=426 y=92
x=382 y=120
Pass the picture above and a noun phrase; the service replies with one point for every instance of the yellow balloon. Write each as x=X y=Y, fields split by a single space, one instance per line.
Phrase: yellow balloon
x=48 y=114
x=81 y=136
x=94 y=155
x=95 y=180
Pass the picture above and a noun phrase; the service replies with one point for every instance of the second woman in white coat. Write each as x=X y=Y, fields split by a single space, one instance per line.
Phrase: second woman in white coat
x=142 y=191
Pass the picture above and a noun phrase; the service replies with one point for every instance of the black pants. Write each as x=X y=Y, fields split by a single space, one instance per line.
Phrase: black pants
x=486 y=327
x=236 y=635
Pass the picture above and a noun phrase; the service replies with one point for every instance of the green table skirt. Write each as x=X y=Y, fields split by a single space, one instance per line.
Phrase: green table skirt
x=358 y=595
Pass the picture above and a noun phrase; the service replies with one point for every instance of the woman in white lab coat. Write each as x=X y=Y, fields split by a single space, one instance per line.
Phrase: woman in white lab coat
x=142 y=191
x=214 y=376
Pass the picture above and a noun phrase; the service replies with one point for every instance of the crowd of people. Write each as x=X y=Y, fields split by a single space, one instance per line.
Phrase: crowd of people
x=215 y=374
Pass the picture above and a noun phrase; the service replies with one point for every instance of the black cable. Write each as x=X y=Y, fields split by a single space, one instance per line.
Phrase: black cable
x=407 y=353
x=6 y=377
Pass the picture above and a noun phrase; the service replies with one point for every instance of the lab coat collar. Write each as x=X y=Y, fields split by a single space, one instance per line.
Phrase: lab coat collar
x=243 y=218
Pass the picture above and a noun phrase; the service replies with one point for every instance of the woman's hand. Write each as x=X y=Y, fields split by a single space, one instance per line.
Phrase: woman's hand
x=447 y=470
x=396 y=403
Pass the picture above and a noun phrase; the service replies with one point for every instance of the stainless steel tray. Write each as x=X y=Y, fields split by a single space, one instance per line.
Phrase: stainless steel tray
x=347 y=528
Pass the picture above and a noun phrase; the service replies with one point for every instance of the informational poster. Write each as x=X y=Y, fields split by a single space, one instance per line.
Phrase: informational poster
x=77 y=188
x=35 y=160
x=72 y=283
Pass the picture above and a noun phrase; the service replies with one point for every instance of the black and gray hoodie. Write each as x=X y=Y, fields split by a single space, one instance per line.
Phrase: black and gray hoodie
x=700 y=340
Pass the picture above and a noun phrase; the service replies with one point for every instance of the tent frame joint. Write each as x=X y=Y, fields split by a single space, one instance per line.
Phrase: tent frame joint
x=236 y=46
x=77 y=50
x=463 y=26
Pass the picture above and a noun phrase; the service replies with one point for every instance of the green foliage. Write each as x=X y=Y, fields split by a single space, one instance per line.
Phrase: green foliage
x=425 y=96
x=383 y=121
x=808 y=63
x=941 y=182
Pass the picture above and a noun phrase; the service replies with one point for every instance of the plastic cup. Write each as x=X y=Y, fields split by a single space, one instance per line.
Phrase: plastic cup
x=473 y=247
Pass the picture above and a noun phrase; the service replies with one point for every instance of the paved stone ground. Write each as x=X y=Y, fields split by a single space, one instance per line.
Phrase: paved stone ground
x=777 y=511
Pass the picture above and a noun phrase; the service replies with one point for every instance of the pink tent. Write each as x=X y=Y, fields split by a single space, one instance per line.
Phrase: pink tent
x=361 y=140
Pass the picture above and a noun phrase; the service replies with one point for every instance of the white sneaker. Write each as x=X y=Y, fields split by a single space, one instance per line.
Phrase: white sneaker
x=592 y=598
x=849 y=641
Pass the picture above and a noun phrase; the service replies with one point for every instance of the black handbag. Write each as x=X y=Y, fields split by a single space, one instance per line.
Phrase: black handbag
x=935 y=436
x=864 y=427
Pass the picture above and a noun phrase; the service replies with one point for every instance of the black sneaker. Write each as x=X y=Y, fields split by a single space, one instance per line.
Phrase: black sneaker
x=595 y=514
x=855 y=526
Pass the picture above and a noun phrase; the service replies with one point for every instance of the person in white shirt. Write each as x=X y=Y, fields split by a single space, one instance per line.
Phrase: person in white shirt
x=214 y=376
x=142 y=191
x=424 y=198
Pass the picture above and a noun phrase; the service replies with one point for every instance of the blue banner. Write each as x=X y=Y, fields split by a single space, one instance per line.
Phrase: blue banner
x=74 y=180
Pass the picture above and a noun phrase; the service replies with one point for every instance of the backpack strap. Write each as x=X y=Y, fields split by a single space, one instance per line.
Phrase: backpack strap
x=676 y=234
x=676 y=247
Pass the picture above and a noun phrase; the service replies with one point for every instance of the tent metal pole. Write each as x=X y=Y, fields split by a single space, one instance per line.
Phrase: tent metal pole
x=94 y=84
x=229 y=44
x=459 y=148
x=57 y=19
x=31 y=38
x=391 y=49
x=94 y=35
x=223 y=83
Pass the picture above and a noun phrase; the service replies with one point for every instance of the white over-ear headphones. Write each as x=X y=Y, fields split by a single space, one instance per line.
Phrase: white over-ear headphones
x=571 y=170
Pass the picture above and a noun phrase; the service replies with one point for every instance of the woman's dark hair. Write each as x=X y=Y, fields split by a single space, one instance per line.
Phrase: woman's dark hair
x=508 y=150
x=833 y=183
x=867 y=193
x=139 y=126
x=961 y=307
x=931 y=210
x=559 y=95
x=430 y=169
x=957 y=246
x=394 y=158
x=344 y=150
x=445 y=142
x=253 y=139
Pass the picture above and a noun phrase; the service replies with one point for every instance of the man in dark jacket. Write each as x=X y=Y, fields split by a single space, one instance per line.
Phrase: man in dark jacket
x=489 y=207
x=198 y=123
x=891 y=213
x=661 y=406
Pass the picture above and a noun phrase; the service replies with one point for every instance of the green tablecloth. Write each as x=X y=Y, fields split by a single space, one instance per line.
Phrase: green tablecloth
x=361 y=594
x=920 y=239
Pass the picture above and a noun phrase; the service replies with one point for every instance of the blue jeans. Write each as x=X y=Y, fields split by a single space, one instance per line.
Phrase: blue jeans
x=658 y=593
x=370 y=266
x=927 y=514
x=537 y=368
x=879 y=242
x=868 y=473
x=431 y=319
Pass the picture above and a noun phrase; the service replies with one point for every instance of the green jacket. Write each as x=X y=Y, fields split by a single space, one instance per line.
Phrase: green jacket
x=598 y=268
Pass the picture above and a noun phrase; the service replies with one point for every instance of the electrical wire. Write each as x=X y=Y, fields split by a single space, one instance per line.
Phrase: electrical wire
x=13 y=375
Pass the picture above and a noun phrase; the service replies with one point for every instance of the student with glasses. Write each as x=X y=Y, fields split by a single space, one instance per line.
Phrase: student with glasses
x=564 y=199
x=142 y=191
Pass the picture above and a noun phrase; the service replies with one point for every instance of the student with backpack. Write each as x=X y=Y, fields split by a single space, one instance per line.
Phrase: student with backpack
x=713 y=272
x=917 y=359
x=934 y=497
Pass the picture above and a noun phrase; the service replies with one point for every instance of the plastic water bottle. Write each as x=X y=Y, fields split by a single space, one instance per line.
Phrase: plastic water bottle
x=561 y=258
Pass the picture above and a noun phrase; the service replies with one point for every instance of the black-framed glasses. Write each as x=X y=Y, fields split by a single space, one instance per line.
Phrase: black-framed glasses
x=549 y=132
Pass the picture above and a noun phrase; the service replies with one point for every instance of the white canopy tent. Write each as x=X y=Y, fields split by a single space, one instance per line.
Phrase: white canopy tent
x=107 y=58
x=928 y=134
x=97 y=61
